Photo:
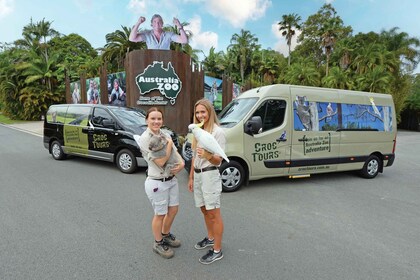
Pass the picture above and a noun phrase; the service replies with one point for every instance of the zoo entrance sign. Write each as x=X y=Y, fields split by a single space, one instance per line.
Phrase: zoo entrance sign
x=156 y=77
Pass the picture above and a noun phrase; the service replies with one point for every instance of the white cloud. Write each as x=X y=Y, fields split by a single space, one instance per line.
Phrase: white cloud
x=281 y=44
x=147 y=8
x=137 y=7
x=6 y=7
x=238 y=12
x=201 y=40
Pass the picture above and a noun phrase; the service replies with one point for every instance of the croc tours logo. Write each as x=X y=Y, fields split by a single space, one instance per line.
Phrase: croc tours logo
x=156 y=77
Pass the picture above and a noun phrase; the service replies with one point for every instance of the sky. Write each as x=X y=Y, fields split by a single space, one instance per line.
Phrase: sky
x=212 y=22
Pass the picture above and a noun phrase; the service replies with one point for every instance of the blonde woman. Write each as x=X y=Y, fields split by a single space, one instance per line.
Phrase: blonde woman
x=206 y=183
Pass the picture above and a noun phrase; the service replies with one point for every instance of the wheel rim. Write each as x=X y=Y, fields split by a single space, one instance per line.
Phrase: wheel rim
x=231 y=177
x=56 y=151
x=125 y=161
x=372 y=167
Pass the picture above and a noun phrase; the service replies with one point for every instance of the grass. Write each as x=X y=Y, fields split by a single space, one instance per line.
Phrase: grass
x=6 y=120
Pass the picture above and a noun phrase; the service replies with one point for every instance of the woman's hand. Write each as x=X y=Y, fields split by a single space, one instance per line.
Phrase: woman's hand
x=177 y=167
x=191 y=184
x=202 y=153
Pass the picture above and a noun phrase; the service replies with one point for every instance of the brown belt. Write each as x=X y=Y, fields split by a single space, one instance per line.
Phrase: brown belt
x=199 y=170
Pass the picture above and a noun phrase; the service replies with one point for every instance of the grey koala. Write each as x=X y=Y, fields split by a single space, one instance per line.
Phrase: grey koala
x=157 y=146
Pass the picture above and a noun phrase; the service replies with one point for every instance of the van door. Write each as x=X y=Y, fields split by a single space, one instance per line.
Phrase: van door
x=268 y=151
x=75 y=141
x=103 y=137
x=316 y=142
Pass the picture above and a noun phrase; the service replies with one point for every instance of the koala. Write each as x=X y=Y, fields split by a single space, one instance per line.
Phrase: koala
x=157 y=146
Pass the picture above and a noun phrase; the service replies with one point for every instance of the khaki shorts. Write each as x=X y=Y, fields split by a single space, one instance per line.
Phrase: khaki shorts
x=162 y=194
x=207 y=189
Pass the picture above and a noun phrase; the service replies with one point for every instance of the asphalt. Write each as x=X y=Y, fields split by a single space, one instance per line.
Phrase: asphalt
x=34 y=127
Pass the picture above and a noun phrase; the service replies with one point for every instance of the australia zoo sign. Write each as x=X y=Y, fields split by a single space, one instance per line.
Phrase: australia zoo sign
x=157 y=77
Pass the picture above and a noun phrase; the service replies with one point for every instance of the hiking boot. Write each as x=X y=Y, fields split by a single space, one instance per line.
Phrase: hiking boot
x=162 y=249
x=171 y=240
x=211 y=257
x=204 y=243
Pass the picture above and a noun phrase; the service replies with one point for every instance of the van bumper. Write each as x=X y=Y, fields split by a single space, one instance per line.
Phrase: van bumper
x=141 y=162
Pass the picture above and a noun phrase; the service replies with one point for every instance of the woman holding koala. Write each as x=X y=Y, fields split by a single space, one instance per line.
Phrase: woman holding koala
x=161 y=185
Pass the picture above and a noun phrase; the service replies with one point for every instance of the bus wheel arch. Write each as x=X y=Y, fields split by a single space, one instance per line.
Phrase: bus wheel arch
x=373 y=165
x=234 y=174
x=126 y=161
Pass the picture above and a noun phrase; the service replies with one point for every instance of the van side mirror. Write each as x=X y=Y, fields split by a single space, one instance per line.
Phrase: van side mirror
x=253 y=126
x=108 y=124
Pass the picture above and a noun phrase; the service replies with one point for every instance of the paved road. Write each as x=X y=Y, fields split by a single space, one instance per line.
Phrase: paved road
x=83 y=219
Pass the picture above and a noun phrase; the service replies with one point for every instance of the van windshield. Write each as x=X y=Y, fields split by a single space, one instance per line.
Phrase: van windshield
x=129 y=117
x=235 y=111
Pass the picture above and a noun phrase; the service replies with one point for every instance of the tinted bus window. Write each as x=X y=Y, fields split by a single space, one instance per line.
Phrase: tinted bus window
x=99 y=115
x=77 y=115
x=56 y=114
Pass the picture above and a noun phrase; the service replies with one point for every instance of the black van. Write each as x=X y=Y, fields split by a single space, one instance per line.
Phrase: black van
x=102 y=132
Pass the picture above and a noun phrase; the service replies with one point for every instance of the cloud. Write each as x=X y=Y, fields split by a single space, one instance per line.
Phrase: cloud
x=6 y=7
x=281 y=44
x=137 y=7
x=238 y=12
x=147 y=8
x=201 y=40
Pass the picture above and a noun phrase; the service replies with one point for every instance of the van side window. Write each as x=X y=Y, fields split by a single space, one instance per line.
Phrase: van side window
x=56 y=114
x=99 y=115
x=271 y=113
x=77 y=115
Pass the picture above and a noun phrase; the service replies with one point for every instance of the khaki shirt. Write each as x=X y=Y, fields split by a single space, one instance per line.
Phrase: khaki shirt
x=220 y=137
x=154 y=171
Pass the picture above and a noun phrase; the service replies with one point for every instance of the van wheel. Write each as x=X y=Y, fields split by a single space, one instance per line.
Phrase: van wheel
x=126 y=161
x=233 y=175
x=371 y=167
x=57 y=151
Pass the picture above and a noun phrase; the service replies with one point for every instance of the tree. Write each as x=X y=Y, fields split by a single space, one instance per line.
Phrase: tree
x=287 y=24
x=117 y=46
x=213 y=63
x=303 y=73
x=75 y=53
x=243 y=45
x=405 y=47
x=338 y=78
x=320 y=32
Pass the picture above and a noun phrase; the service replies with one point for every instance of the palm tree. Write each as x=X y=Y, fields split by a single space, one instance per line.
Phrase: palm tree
x=117 y=46
x=213 y=63
x=303 y=73
x=406 y=48
x=243 y=45
x=38 y=34
x=287 y=24
x=40 y=70
x=338 y=78
x=376 y=80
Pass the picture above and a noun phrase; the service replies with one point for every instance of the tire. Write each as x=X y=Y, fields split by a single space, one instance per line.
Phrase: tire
x=57 y=151
x=126 y=161
x=371 y=167
x=187 y=154
x=233 y=176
